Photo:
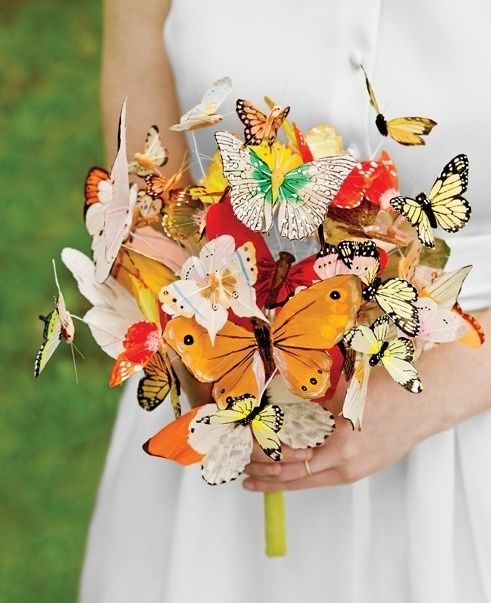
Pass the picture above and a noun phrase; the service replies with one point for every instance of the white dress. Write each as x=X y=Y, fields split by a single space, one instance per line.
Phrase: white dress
x=419 y=531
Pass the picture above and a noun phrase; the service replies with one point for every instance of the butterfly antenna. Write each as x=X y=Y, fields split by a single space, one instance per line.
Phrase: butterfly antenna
x=196 y=151
x=56 y=276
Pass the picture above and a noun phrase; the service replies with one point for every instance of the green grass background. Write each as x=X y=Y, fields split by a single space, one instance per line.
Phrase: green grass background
x=53 y=432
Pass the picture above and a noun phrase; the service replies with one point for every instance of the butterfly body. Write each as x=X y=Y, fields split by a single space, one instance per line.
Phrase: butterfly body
x=381 y=124
x=377 y=357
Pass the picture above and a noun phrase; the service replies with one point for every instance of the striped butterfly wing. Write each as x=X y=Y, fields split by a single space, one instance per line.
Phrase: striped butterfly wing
x=254 y=122
x=159 y=381
x=250 y=181
x=306 y=193
x=409 y=131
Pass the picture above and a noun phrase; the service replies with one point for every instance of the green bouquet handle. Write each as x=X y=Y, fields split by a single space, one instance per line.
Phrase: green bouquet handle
x=274 y=524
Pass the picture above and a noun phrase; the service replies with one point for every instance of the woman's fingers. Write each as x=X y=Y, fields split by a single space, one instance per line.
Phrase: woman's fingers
x=330 y=477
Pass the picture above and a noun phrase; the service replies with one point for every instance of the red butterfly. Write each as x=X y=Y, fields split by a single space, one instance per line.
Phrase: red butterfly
x=375 y=181
x=141 y=343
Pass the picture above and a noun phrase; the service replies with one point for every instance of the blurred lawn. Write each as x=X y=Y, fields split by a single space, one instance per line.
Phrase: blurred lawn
x=53 y=433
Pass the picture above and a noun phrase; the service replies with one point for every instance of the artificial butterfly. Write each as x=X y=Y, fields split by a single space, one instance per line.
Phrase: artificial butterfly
x=58 y=325
x=374 y=345
x=111 y=224
x=297 y=343
x=375 y=181
x=183 y=216
x=222 y=438
x=98 y=191
x=301 y=195
x=205 y=113
x=276 y=280
x=439 y=322
x=443 y=206
x=258 y=126
x=404 y=130
x=154 y=155
x=395 y=296
x=162 y=187
x=141 y=343
x=221 y=278
x=159 y=381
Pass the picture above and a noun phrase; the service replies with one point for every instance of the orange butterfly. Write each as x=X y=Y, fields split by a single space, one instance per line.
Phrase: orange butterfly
x=258 y=126
x=296 y=343
x=97 y=184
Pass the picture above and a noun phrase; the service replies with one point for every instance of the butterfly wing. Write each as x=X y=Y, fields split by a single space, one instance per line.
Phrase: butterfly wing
x=397 y=298
x=413 y=211
x=371 y=93
x=309 y=324
x=254 y=121
x=159 y=381
x=410 y=130
x=118 y=211
x=446 y=288
x=141 y=342
x=171 y=442
x=250 y=181
x=397 y=360
x=305 y=424
x=265 y=427
x=356 y=394
x=97 y=188
x=52 y=335
x=153 y=156
x=215 y=95
x=276 y=124
x=306 y=192
x=451 y=210
x=233 y=362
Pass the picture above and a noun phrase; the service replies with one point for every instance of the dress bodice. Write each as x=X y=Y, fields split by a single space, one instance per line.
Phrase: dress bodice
x=308 y=54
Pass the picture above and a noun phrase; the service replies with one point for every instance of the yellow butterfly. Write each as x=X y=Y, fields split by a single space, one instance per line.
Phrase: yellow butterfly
x=404 y=130
x=296 y=343
x=442 y=206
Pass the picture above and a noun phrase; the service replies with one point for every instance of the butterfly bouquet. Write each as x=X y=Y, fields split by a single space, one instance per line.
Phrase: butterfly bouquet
x=287 y=274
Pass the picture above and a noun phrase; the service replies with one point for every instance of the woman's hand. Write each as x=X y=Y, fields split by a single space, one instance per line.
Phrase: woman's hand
x=457 y=385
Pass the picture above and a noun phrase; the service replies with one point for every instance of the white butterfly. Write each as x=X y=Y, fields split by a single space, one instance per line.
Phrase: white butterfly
x=205 y=113
x=221 y=278
x=114 y=311
x=111 y=225
x=154 y=155
x=301 y=195
x=438 y=323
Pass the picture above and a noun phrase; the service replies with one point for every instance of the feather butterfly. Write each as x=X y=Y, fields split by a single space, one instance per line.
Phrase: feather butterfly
x=408 y=131
x=374 y=345
x=296 y=343
x=159 y=381
x=111 y=225
x=260 y=127
x=58 y=325
x=205 y=113
x=301 y=195
x=443 y=206
x=154 y=155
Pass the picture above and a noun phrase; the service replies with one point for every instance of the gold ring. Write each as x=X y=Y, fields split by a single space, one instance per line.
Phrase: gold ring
x=307 y=468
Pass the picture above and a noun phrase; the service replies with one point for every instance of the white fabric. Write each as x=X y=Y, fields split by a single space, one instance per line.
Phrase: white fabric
x=420 y=531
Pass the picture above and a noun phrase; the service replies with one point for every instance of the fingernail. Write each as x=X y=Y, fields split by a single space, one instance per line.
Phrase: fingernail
x=248 y=484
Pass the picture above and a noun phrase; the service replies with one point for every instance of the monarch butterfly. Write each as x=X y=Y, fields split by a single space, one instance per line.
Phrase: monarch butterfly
x=443 y=206
x=258 y=125
x=404 y=130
